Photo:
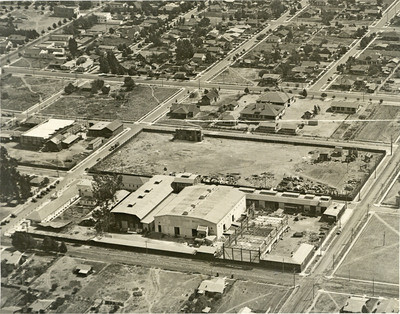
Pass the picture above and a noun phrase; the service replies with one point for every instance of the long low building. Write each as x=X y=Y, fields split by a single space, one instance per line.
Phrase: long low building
x=201 y=210
x=306 y=203
x=40 y=134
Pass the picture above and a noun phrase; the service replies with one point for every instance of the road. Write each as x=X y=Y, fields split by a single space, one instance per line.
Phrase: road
x=388 y=14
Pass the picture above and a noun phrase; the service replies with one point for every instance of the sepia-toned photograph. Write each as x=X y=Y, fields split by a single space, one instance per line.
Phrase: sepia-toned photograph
x=200 y=156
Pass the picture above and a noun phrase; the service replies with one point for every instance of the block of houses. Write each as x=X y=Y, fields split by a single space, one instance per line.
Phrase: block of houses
x=183 y=111
x=344 y=107
x=209 y=98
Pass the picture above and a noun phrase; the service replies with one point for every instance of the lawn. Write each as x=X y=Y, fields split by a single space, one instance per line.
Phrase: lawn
x=378 y=242
x=136 y=104
x=142 y=290
x=150 y=153
x=26 y=91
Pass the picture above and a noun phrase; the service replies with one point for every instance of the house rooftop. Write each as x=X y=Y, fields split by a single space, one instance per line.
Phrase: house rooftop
x=345 y=104
x=274 y=97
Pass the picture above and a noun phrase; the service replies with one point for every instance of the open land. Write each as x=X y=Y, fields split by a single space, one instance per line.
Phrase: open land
x=135 y=104
x=329 y=302
x=31 y=63
x=378 y=242
x=150 y=153
x=390 y=198
x=240 y=76
x=34 y=19
x=25 y=91
x=139 y=289
x=259 y=297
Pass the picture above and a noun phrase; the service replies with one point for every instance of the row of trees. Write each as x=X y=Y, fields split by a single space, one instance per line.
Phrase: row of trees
x=23 y=241
x=13 y=185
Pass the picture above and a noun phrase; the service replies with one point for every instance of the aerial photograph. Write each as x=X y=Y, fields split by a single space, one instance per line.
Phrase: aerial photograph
x=200 y=156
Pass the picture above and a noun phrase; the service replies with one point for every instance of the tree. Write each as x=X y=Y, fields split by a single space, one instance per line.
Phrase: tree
x=104 y=188
x=54 y=25
x=304 y=93
x=277 y=8
x=73 y=46
x=59 y=23
x=23 y=241
x=129 y=84
x=106 y=89
x=184 y=50
x=104 y=66
x=69 y=89
x=49 y=244
x=96 y=85
x=246 y=90
x=62 y=248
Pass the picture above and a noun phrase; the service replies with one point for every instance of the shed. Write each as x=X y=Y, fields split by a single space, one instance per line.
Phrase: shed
x=83 y=270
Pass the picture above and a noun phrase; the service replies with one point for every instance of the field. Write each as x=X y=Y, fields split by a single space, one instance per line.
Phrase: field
x=25 y=91
x=378 y=242
x=150 y=153
x=135 y=105
x=390 y=198
x=31 y=63
x=328 y=302
x=260 y=298
x=386 y=124
x=34 y=19
x=139 y=289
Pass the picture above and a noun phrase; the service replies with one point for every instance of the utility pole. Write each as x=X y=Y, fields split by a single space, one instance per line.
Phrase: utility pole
x=333 y=261
x=384 y=236
x=391 y=145
x=294 y=278
x=373 y=285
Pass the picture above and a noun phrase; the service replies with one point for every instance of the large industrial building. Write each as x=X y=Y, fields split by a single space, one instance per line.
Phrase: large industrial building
x=39 y=135
x=201 y=210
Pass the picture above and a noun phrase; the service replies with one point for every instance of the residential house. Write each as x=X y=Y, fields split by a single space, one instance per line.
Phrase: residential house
x=183 y=111
x=227 y=119
x=268 y=127
x=106 y=129
x=270 y=80
x=262 y=111
x=343 y=83
x=199 y=57
x=391 y=36
x=289 y=128
x=103 y=17
x=276 y=98
x=209 y=98
x=355 y=305
x=344 y=107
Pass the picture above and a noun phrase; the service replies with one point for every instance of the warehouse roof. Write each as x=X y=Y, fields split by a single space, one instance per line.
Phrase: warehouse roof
x=141 y=202
x=47 y=129
x=208 y=202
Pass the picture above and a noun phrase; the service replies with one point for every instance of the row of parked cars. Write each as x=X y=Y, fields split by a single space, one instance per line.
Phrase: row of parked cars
x=44 y=191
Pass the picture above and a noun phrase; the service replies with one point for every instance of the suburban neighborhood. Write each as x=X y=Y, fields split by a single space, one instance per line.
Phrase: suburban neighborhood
x=205 y=156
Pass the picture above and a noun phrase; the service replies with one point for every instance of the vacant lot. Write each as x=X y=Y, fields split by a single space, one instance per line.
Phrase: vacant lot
x=150 y=153
x=239 y=76
x=21 y=92
x=390 y=198
x=134 y=105
x=328 y=302
x=383 y=123
x=378 y=242
x=31 y=63
x=260 y=298
x=139 y=289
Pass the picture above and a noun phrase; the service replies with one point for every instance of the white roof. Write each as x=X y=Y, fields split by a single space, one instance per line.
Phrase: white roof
x=212 y=285
x=47 y=129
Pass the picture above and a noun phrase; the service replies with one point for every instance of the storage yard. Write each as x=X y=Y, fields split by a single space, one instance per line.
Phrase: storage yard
x=240 y=162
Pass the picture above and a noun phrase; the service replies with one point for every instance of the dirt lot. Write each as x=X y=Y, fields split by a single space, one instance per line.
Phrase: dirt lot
x=136 y=104
x=31 y=63
x=64 y=158
x=390 y=198
x=260 y=298
x=139 y=289
x=369 y=247
x=329 y=302
x=150 y=153
x=240 y=76
x=386 y=124
x=25 y=91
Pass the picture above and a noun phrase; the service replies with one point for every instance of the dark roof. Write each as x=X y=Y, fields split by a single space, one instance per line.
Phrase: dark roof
x=112 y=126
x=263 y=109
x=274 y=97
